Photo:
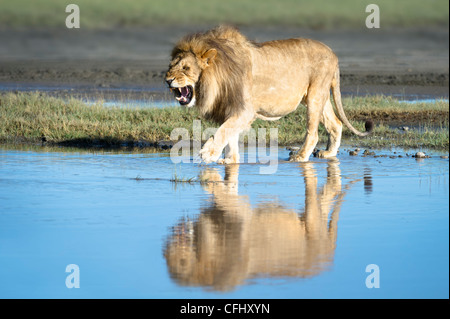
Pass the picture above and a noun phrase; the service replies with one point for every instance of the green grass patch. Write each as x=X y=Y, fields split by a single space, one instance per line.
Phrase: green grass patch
x=36 y=117
x=142 y=13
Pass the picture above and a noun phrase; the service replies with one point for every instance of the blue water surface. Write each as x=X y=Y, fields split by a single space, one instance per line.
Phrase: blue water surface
x=305 y=231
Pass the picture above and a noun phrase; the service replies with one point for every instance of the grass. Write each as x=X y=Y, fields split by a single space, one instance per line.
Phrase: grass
x=176 y=179
x=37 y=117
x=33 y=116
x=323 y=14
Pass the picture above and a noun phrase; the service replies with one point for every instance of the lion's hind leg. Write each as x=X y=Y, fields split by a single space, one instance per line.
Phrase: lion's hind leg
x=334 y=128
x=315 y=105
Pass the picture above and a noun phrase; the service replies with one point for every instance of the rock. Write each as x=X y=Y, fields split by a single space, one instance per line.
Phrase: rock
x=353 y=153
x=444 y=156
x=316 y=152
x=165 y=145
x=368 y=153
x=293 y=150
x=420 y=155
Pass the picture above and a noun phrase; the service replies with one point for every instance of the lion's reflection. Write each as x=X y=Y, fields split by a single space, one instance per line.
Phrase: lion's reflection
x=232 y=241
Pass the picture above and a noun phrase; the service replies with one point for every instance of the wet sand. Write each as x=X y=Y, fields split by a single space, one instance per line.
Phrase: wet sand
x=394 y=62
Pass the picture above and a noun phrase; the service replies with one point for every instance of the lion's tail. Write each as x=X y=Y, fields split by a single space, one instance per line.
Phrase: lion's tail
x=336 y=90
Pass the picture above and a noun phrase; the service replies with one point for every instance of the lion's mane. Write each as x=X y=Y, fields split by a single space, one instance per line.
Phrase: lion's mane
x=221 y=86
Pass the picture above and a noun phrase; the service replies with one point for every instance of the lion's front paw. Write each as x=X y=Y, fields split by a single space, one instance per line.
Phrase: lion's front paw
x=210 y=152
x=324 y=154
x=298 y=158
x=227 y=160
x=233 y=159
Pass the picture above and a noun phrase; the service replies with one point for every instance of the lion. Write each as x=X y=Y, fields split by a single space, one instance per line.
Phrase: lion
x=233 y=240
x=234 y=81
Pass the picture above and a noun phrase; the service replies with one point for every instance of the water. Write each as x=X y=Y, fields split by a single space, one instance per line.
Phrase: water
x=307 y=231
x=135 y=103
x=160 y=96
x=174 y=103
x=424 y=101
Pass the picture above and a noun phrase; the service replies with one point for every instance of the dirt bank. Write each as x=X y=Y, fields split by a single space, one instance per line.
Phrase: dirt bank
x=372 y=61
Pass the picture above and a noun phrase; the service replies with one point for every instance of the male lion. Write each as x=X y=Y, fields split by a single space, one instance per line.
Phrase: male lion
x=232 y=240
x=234 y=81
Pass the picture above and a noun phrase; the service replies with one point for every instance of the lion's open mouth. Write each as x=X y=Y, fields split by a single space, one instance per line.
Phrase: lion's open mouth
x=184 y=94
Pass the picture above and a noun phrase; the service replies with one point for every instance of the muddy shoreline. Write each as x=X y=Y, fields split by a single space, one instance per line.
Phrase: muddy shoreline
x=346 y=149
x=392 y=62
x=129 y=64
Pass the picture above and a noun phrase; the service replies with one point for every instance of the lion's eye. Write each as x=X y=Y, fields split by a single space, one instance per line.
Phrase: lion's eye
x=185 y=68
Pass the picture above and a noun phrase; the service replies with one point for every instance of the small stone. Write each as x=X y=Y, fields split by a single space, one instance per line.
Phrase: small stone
x=444 y=156
x=316 y=152
x=353 y=153
x=368 y=153
x=420 y=155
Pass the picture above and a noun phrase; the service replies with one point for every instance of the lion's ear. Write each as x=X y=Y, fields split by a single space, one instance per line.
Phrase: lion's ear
x=209 y=55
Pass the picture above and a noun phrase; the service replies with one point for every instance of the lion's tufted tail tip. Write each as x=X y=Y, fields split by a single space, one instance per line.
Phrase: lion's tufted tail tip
x=369 y=127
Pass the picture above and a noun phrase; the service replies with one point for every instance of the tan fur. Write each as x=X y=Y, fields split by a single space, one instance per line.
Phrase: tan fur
x=237 y=81
x=232 y=240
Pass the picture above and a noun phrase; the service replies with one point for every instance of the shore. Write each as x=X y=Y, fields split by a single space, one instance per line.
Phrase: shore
x=42 y=119
x=129 y=64
x=409 y=62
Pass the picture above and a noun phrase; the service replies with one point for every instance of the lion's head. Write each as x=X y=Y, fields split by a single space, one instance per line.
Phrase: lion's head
x=184 y=73
x=209 y=70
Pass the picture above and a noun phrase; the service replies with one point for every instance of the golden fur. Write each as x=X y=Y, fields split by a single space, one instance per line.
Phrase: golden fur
x=233 y=240
x=234 y=81
x=219 y=90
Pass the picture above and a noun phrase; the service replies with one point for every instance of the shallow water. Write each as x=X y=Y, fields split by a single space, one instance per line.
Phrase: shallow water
x=159 y=96
x=307 y=231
